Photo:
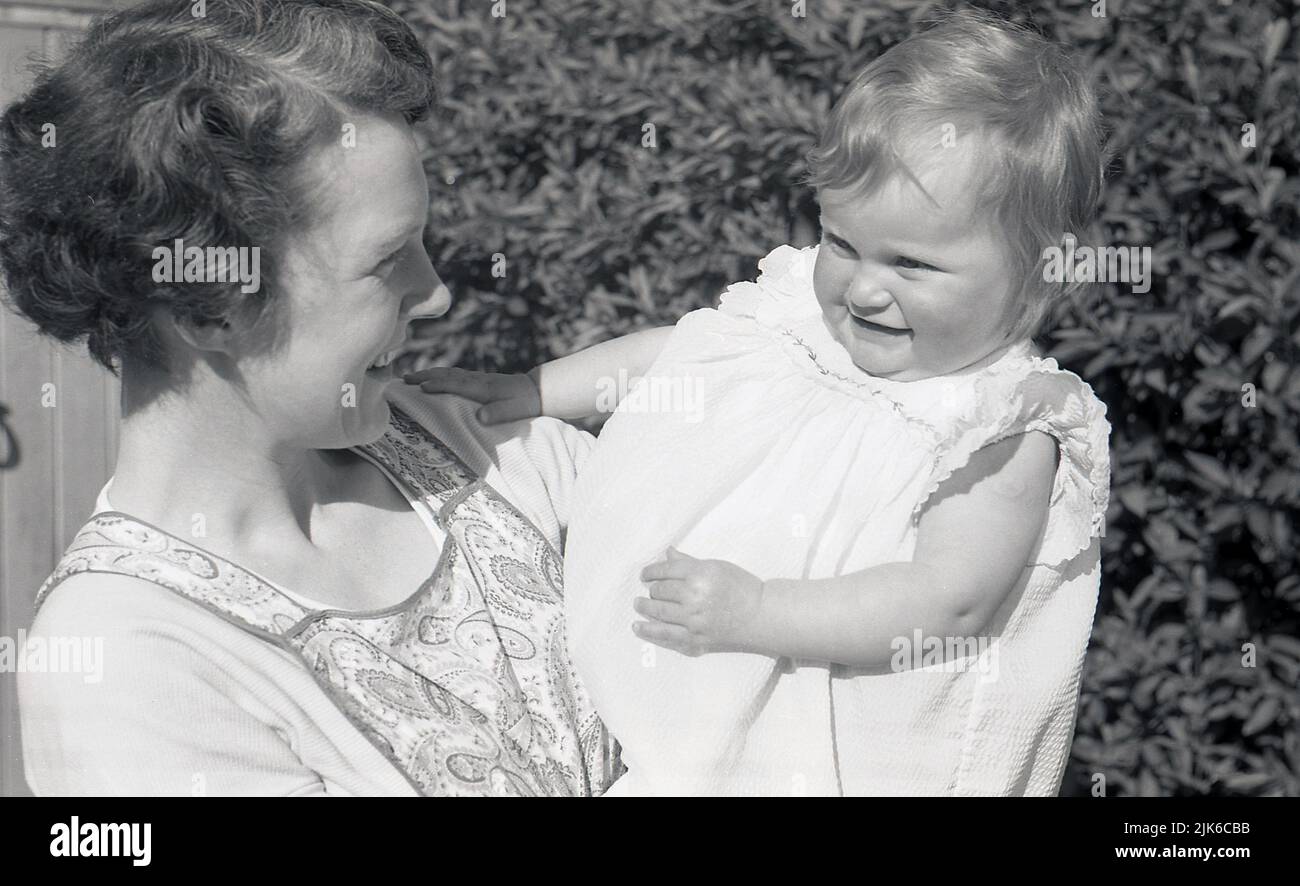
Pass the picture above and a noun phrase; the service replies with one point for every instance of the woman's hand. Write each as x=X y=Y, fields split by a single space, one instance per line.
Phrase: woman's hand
x=697 y=606
x=505 y=397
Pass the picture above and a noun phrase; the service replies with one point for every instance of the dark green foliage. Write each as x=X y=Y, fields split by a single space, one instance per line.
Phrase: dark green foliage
x=537 y=154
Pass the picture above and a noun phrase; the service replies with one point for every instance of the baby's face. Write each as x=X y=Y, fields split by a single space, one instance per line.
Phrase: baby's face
x=913 y=289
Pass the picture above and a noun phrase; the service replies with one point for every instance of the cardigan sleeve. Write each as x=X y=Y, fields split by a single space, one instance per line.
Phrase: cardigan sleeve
x=159 y=704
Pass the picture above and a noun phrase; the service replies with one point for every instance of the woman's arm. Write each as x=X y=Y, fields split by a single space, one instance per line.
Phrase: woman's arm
x=572 y=387
x=160 y=705
x=973 y=542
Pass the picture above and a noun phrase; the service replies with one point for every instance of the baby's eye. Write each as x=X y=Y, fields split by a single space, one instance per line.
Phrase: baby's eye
x=837 y=244
x=913 y=264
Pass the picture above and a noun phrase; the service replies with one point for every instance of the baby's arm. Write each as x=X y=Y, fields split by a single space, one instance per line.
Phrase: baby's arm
x=570 y=387
x=973 y=542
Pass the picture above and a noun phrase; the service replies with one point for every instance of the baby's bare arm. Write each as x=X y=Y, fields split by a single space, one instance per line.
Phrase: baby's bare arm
x=974 y=540
x=570 y=387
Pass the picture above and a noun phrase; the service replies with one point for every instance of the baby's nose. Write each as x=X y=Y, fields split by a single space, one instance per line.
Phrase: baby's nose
x=866 y=293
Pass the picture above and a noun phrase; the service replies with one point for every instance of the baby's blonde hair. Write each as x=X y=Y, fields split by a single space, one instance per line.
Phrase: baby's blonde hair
x=1029 y=106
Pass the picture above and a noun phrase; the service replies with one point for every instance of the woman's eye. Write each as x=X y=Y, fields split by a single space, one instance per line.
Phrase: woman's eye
x=388 y=262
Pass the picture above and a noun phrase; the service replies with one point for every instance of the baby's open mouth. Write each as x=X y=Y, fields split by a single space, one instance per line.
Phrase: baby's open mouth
x=876 y=327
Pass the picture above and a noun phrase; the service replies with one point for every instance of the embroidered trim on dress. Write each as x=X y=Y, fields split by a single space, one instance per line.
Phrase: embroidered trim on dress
x=776 y=303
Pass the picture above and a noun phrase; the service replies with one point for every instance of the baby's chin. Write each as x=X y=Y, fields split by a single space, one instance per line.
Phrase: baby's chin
x=878 y=354
x=915 y=370
x=900 y=373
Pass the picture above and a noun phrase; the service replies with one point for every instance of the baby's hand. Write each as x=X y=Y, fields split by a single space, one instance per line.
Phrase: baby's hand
x=505 y=397
x=697 y=606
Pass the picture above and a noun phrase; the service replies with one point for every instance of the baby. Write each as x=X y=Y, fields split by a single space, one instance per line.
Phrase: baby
x=871 y=510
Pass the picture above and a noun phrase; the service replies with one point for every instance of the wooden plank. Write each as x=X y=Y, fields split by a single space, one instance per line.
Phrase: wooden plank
x=112 y=407
x=41 y=17
x=28 y=538
x=99 y=5
x=86 y=422
x=10 y=760
x=32 y=539
x=68 y=14
x=80 y=441
x=62 y=412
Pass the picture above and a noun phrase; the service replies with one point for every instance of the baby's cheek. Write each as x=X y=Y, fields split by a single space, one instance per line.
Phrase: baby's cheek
x=828 y=285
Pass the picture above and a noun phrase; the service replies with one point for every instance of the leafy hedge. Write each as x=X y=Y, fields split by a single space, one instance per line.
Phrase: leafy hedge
x=540 y=158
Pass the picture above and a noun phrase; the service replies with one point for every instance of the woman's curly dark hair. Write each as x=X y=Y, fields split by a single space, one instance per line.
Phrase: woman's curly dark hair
x=161 y=124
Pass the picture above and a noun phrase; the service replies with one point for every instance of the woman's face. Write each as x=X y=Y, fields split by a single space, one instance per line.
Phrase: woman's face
x=350 y=282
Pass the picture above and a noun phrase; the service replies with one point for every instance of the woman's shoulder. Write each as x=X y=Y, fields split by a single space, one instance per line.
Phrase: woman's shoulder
x=129 y=688
x=132 y=614
x=142 y=629
x=452 y=421
x=532 y=463
x=144 y=589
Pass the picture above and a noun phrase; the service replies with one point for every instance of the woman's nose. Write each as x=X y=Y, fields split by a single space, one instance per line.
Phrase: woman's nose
x=435 y=304
x=432 y=298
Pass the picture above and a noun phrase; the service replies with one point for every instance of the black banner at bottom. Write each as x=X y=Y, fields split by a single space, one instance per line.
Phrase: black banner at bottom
x=213 y=836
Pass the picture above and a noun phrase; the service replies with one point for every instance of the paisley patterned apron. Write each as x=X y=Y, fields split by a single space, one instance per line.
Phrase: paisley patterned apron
x=466 y=687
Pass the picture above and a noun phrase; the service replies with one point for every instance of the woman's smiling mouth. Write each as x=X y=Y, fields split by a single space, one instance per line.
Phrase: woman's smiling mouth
x=383 y=360
x=383 y=364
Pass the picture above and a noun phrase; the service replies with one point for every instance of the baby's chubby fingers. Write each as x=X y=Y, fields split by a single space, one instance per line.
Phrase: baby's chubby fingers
x=671 y=590
x=660 y=610
x=513 y=409
x=506 y=396
x=675 y=565
x=479 y=386
x=668 y=636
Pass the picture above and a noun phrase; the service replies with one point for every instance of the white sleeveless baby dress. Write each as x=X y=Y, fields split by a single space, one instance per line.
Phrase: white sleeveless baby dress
x=755 y=439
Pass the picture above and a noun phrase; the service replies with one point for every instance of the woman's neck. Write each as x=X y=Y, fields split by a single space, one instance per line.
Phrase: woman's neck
x=204 y=458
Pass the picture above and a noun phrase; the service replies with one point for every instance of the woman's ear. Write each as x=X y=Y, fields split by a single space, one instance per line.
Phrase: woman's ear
x=210 y=336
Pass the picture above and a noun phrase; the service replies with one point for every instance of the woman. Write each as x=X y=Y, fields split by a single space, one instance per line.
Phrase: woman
x=308 y=580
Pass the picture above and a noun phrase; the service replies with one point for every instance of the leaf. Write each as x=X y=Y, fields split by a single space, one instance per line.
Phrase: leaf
x=1274 y=39
x=1223 y=46
x=857 y=25
x=1238 y=305
x=1224 y=516
x=1259 y=341
x=1250 y=783
x=1273 y=375
x=1285 y=644
x=1210 y=469
x=1263 y=716
x=1148 y=786
x=1135 y=499
x=1218 y=240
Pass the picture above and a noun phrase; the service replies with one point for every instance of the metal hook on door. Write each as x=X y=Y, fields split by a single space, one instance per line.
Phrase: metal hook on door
x=10 y=444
